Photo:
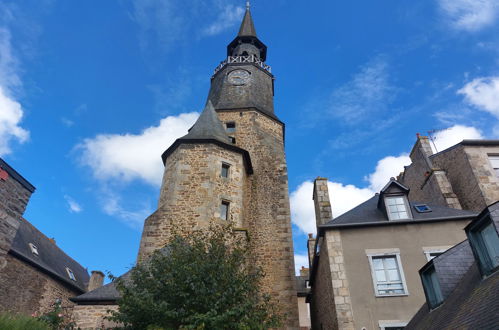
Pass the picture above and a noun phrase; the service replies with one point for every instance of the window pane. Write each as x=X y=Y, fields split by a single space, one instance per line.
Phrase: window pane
x=491 y=242
x=393 y=275
x=390 y=263
x=224 y=208
x=225 y=171
x=378 y=263
x=380 y=276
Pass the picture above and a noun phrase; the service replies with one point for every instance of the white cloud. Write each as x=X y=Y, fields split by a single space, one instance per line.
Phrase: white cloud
x=74 y=207
x=447 y=138
x=125 y=157
x=112 y=205
x=11 y=111
x=228 y=17
x=300 y=260
x=470 y=15
x=388 y=167
x=368 y=91
x=343 y=198
x=483 y=93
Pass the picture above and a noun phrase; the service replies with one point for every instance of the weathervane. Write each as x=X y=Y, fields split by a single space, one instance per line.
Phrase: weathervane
x=247 y=5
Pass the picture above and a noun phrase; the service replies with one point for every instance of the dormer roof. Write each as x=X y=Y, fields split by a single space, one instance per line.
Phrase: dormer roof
x=209 y=129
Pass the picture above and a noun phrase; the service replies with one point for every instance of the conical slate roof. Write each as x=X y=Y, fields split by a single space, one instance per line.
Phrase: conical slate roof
x=247 y=27
x=207 y=127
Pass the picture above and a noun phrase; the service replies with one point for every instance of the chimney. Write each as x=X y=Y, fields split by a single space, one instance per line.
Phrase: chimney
x=310 y=248
x=96 y=280
x=322 y=204
x=304 y=271
x=52 y=240
x=423 y=146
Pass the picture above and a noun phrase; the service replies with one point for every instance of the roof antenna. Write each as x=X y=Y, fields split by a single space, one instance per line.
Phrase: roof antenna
x=247 y=5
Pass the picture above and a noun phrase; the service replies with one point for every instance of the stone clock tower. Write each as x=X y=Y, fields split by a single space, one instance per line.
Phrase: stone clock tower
x=231 y=166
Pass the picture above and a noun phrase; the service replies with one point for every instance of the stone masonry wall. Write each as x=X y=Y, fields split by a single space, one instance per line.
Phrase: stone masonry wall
x=427 y=182
x=39 y=291
x=461 y=176
x=192 y=192
x=268 y=213
x=14 y=198
x=322 y=307
x=487 y=180
x=92 y=316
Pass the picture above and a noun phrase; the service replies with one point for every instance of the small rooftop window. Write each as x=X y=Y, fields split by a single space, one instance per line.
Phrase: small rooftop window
x=71 y=275
x=231 y=127
x=431 y=287
x=33 y=248
x=422 y=208
x=485 y=243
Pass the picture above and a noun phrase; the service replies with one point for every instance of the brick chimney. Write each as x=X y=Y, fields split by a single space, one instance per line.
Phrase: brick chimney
x=322 y=204
x=96 y=280
x=422 y=146
x=304 y=271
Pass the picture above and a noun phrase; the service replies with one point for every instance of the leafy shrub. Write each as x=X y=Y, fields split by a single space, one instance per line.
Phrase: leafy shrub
x=21 y=322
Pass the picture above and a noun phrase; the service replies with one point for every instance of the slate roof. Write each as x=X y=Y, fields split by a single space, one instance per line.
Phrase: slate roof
x=247 y=28
x=368 y=214
x=209 y=129
x=473 y=304
x=16 y=176
x=106 y=293
x=50 y=259
x=208 y=126
x=301 y=286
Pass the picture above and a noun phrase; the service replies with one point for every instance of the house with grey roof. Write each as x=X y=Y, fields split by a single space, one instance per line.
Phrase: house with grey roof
x=462 y=284
x=465 y=175
x=34 y=271
x=365 y=262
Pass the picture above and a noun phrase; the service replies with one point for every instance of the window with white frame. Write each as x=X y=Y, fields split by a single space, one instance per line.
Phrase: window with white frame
x=396 y=208
x=71 y=275
x=494 y=161
x=387 y=274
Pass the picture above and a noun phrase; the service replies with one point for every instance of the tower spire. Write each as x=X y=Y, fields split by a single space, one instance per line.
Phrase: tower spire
x=247 y=27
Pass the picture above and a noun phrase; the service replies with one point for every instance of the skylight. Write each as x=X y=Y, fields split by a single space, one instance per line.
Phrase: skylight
x=422 y=208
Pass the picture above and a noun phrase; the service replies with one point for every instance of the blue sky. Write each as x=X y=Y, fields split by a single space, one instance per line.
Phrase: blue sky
x=92 y=92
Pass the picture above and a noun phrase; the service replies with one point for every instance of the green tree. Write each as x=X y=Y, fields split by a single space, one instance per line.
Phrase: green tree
x=205 y=280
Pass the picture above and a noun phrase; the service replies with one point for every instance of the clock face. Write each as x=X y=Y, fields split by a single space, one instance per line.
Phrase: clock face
x=239 y=77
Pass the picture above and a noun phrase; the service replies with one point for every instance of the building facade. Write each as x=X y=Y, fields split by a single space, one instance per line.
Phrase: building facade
x=34 y=271
x=365 y=262
x=465 y=175
x=462 y=284
x=230 y=167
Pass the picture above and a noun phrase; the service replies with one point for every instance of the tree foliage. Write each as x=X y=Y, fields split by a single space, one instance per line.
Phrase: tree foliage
x=203 y=281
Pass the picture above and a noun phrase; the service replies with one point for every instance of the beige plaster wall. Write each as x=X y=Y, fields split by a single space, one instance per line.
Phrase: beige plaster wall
x=304 y=314
x=410 y=240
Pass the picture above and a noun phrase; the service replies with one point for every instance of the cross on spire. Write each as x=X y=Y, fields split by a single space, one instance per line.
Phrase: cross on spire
x=247 y=5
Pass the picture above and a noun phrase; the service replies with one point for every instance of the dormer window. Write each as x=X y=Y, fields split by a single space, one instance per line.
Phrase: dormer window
x=397 y=208
x=33 y=248
x=431 y=287
x=484 y=241
x=71 y=275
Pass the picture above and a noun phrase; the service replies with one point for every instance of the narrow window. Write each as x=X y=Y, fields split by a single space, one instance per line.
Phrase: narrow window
x=432 y=287
x=485 y=242
x=33 y=248
x=231 y=127
x=233 y=140
x=225 y=170
x=387 y=277
x=494 y=161
x=396 y=208
x=224 y=210
x=70 y=274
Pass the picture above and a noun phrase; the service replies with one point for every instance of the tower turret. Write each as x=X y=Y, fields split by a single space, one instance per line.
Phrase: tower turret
x=243 y=81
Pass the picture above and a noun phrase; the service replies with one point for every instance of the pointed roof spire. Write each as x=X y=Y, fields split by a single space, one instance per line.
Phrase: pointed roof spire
x=247 y=27
x=208 y=126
